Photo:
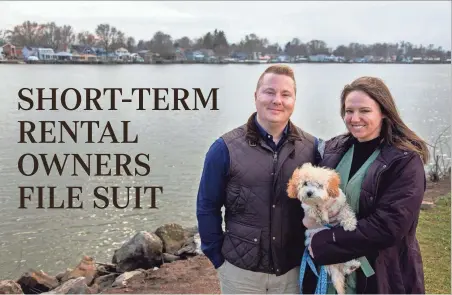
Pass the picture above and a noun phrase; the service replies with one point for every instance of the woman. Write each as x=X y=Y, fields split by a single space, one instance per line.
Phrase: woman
x=381 y=164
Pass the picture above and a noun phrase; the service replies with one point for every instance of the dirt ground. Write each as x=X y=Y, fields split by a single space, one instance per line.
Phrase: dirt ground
x=197 y=275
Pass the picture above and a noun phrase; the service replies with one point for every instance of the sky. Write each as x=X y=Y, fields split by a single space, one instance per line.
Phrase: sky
x=335 y=22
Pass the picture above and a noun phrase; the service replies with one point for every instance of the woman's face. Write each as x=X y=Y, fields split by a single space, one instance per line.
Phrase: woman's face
x=363 y=116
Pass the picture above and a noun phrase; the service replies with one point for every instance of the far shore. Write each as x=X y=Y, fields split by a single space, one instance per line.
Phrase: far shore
x=166 y=62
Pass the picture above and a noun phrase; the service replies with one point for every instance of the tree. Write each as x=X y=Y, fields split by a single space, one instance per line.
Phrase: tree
x=184 y=42
x=252 y=43
x=67 y=35
x=86 y=38
x=108 y=36
x=207 y=41
x=56 y=37
x=342 y=50
x=26 y=34
x=317 y=47
x=3 y=37
x=220 y=43
x=131 y=44
x=162 y=44
x=118 y=41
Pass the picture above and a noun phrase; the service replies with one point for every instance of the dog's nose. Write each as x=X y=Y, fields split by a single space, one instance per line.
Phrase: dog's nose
x=309 y=193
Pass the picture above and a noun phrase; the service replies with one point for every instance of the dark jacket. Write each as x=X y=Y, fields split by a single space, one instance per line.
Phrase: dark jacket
x=264 y=230
x=391 y=197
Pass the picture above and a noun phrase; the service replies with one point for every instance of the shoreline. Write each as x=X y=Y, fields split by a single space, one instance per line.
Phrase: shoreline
x=169 y=62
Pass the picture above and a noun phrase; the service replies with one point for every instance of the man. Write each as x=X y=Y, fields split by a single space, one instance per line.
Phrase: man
x=246 y=170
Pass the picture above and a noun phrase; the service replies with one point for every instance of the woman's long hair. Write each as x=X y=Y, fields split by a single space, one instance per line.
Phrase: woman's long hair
x=393 y=130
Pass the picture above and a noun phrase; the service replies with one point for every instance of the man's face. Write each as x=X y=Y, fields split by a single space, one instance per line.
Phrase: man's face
x=275 y=99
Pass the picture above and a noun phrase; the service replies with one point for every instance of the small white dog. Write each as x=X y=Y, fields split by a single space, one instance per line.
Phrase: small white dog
x=318 y=190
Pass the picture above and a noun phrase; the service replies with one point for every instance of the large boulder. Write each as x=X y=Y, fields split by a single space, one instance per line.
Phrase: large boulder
x=86 y=268
x=172 y=236
x=144 y=250
x=190 y=231
x=33 y=282
x=10 y=287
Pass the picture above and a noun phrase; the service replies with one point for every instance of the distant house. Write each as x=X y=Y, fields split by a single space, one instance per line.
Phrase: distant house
x=180 y=54
x=62 y=55
x=198 y=55
x=318 y=58
x=82 y=49
x=29 y=51
x=208 y=52
x=46 y=53
x=146 y=55
x=19 y=54
x=78 y=50
x=136 y=57
x=9 y=50
x=283 y=58
x=39 y=52
x=239 y=55
x=122 y=53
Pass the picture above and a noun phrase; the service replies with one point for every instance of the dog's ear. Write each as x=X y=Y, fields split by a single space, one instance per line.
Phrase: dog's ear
x=292 y=185
x=333 y=185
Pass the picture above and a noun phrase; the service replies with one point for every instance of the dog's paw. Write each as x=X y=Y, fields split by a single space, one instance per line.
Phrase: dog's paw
x=351 y=266
x=349 y=224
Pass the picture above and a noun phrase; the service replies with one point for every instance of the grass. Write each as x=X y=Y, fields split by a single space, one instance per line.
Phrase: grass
x=433 y=234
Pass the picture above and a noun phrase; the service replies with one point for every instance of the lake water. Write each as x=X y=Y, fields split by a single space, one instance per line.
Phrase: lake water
x=176 y=141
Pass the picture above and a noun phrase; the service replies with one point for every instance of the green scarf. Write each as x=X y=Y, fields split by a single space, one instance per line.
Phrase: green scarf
x=352 y=190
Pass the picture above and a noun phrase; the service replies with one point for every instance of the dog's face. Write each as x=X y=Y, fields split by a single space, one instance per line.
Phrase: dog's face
x=313 y=185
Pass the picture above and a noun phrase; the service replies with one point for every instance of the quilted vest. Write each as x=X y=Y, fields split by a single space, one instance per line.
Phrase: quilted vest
x=264 y=230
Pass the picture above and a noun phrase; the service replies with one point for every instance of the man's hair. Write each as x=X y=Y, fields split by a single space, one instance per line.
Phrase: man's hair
x=279 y=70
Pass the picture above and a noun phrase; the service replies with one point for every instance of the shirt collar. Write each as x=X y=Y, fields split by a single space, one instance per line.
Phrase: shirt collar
x=265 y=134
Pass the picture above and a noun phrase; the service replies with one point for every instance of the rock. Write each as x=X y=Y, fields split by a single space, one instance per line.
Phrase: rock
x=190 y=232
x=168 y=258
x=105 y=282
x=122 y=279
x=191 y=247
x=60 y=275
x=72 y=286
x=172 y=236
x=106 y=269
x=33 y=282
x=144 y=250
x=426 y=205
x=86 y=268
x=10 y=287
